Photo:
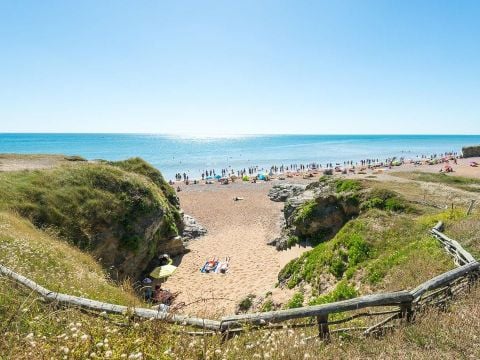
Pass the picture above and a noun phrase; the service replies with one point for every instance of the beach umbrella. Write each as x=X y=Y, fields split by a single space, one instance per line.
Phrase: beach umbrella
x=209 y=178
x=218 y=177
x=162 y=272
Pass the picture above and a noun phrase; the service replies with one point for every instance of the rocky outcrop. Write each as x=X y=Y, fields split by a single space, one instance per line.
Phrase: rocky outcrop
x=192 y=229
x=281 y=192
x=316 y=214
x=471 y=151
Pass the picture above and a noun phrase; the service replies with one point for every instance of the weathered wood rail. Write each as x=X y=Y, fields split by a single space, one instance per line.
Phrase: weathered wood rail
x=94 y=305
x=397 y=305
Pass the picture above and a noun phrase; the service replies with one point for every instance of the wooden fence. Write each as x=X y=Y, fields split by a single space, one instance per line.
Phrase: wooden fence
x=396 y=305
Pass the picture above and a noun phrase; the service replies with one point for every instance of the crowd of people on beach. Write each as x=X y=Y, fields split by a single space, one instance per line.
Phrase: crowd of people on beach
x=254 y=172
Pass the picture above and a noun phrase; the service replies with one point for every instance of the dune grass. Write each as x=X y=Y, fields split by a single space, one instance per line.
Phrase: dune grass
x=381 y=249
x=32 y=329
x=83 y=199
x=459 y=182
x=55 y=264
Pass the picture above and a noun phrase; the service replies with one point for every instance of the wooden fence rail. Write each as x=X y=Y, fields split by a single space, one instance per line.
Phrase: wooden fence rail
x=404 y=303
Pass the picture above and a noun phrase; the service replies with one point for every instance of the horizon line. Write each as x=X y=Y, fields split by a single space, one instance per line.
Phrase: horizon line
x=219 y=135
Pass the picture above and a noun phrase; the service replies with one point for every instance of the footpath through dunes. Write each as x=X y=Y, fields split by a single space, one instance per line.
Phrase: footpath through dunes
x=240 y=230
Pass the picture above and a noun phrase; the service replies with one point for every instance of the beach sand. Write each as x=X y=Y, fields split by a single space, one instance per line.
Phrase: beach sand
x=239 y=229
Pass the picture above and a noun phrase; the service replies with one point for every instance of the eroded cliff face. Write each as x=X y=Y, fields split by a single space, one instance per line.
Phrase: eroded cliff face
x=316 y=213
x=124 y=213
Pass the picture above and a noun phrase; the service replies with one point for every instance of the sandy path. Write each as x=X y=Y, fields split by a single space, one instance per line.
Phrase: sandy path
x=239 y=229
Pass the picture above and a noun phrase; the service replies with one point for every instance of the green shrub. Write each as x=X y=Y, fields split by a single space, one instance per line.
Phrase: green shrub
x=141 y=167
x=296 y=301
x=246 y=303
x=395 y=204
x=267 y=306
x=305 y=211
x=347 y=185
x=343 y=291
x=83 y=201
x=337 y=267
x=75 y=158
x=292 y=241
x=384 y=199
x=358 y=249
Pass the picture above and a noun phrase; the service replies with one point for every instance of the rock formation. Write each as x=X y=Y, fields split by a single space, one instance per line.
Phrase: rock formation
x=471 y=151
x=192 y=229
x=316 y=213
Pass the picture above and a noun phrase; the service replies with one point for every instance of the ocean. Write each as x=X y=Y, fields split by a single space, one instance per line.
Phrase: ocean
x=192 y=155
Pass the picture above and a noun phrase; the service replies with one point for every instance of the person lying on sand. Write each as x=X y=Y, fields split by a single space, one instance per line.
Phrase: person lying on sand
x=210 y=265
x=236 y=198
x=223 y=267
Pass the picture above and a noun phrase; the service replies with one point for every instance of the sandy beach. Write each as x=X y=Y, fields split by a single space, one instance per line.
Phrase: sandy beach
x=240 y=230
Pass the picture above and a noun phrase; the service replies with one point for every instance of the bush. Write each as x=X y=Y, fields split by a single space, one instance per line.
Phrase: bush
x=296 y=301
x=384 y=199
x=305 y=211
x=267 y=306
x=292 y=241
x=347 y=185
x=343 y=291
x=246 y=303
x=337 y=267
x=395 y=204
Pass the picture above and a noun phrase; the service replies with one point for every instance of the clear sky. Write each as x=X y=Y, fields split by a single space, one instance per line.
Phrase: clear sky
x=215 y=67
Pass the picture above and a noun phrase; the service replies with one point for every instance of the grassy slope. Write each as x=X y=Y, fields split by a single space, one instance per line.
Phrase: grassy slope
x=32 y=328
x=80 y=199
x=381 y=250
x=459 y=182
x=55 y=264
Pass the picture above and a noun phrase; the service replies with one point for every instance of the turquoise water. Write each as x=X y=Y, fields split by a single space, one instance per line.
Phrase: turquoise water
x=172 y=154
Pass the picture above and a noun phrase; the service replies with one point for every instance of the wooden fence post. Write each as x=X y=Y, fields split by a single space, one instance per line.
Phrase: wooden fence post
x=406 y=311
x=323 y=331
x=470 y=208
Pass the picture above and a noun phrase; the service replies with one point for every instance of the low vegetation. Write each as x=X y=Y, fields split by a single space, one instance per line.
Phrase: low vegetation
x=459 y=182
x=372 y=251
x=92 y=205
x=384 y=248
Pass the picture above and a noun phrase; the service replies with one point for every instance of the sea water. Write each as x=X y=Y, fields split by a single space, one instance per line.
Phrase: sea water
x=192 y=155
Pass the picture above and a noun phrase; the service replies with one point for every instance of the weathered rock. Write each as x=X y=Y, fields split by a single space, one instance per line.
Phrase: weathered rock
x=281 y=192
x=471 y=151
x=192 y=229
x=327 y=214
x=316 y=214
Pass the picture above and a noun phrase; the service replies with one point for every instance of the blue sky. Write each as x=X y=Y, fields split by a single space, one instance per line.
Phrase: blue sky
x=230 y=67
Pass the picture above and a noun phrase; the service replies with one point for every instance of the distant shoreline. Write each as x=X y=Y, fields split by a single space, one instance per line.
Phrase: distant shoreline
x=193 y=155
